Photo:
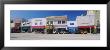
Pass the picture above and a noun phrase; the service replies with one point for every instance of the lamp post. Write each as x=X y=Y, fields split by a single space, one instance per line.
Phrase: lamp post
x=90 y=29
x=90 y=24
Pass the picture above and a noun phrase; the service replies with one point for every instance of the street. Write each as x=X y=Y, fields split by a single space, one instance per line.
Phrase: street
x=36 y=36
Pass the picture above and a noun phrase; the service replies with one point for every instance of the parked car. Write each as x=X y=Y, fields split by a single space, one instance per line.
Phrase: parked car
x=77 y=32
x=61 y=32
x=56 y=32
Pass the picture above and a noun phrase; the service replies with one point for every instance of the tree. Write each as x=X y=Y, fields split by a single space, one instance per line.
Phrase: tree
x=24 y=20
x=11 y=21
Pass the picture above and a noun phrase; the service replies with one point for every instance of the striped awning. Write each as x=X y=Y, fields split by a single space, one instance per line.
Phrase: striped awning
x=38 y=26
x=86 y=26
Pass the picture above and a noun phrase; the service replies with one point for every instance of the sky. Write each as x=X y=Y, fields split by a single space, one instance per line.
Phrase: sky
x=28 y=14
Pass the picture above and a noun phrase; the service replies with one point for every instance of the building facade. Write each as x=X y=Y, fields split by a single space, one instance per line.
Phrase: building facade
x=72 y=26
x=38 y=25
x=89 y=22
x=26 y=26
x=56 y=23
x=16 y=25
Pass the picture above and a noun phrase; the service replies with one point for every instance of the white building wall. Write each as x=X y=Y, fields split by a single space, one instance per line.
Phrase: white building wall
x=85 y=20
x=26 y=24
x=68 y=24
x=56 y=23
x=38 y=21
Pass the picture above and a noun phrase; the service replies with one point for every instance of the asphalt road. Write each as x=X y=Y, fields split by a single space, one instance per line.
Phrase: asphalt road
x=36 y=36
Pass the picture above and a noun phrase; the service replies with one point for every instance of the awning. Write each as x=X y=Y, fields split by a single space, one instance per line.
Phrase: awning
x=86 y=26
x=38 y=26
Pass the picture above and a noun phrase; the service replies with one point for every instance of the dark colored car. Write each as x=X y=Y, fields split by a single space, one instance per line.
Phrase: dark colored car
x=77 y=32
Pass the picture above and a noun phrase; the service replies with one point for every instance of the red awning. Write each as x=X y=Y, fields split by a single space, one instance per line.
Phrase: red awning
x=38 y=26
x=86 y=26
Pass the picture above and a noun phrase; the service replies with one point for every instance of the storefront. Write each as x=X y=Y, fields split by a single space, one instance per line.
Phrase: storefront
x=72 y=29
x=72 y=26
x=49 y=29
x=26 y=29
x=89 y=23
x=16 y=28
x=87 y=29
x=38 y=29
x=38 y=25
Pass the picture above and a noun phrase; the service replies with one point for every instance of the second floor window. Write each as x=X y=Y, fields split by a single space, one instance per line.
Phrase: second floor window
x=48 y=22
x=23 y=24
x=71 y=23
x=51 y=22
x=35 y=23
x=40 y=23
x=63 y=22
x=28 y=23
x=59 y=22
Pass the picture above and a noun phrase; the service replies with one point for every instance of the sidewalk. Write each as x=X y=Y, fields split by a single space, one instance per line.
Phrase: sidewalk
x=35 y=36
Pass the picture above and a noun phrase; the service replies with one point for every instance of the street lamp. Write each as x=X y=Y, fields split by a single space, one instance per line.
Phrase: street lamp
x=90 y=24
x=90 y=29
